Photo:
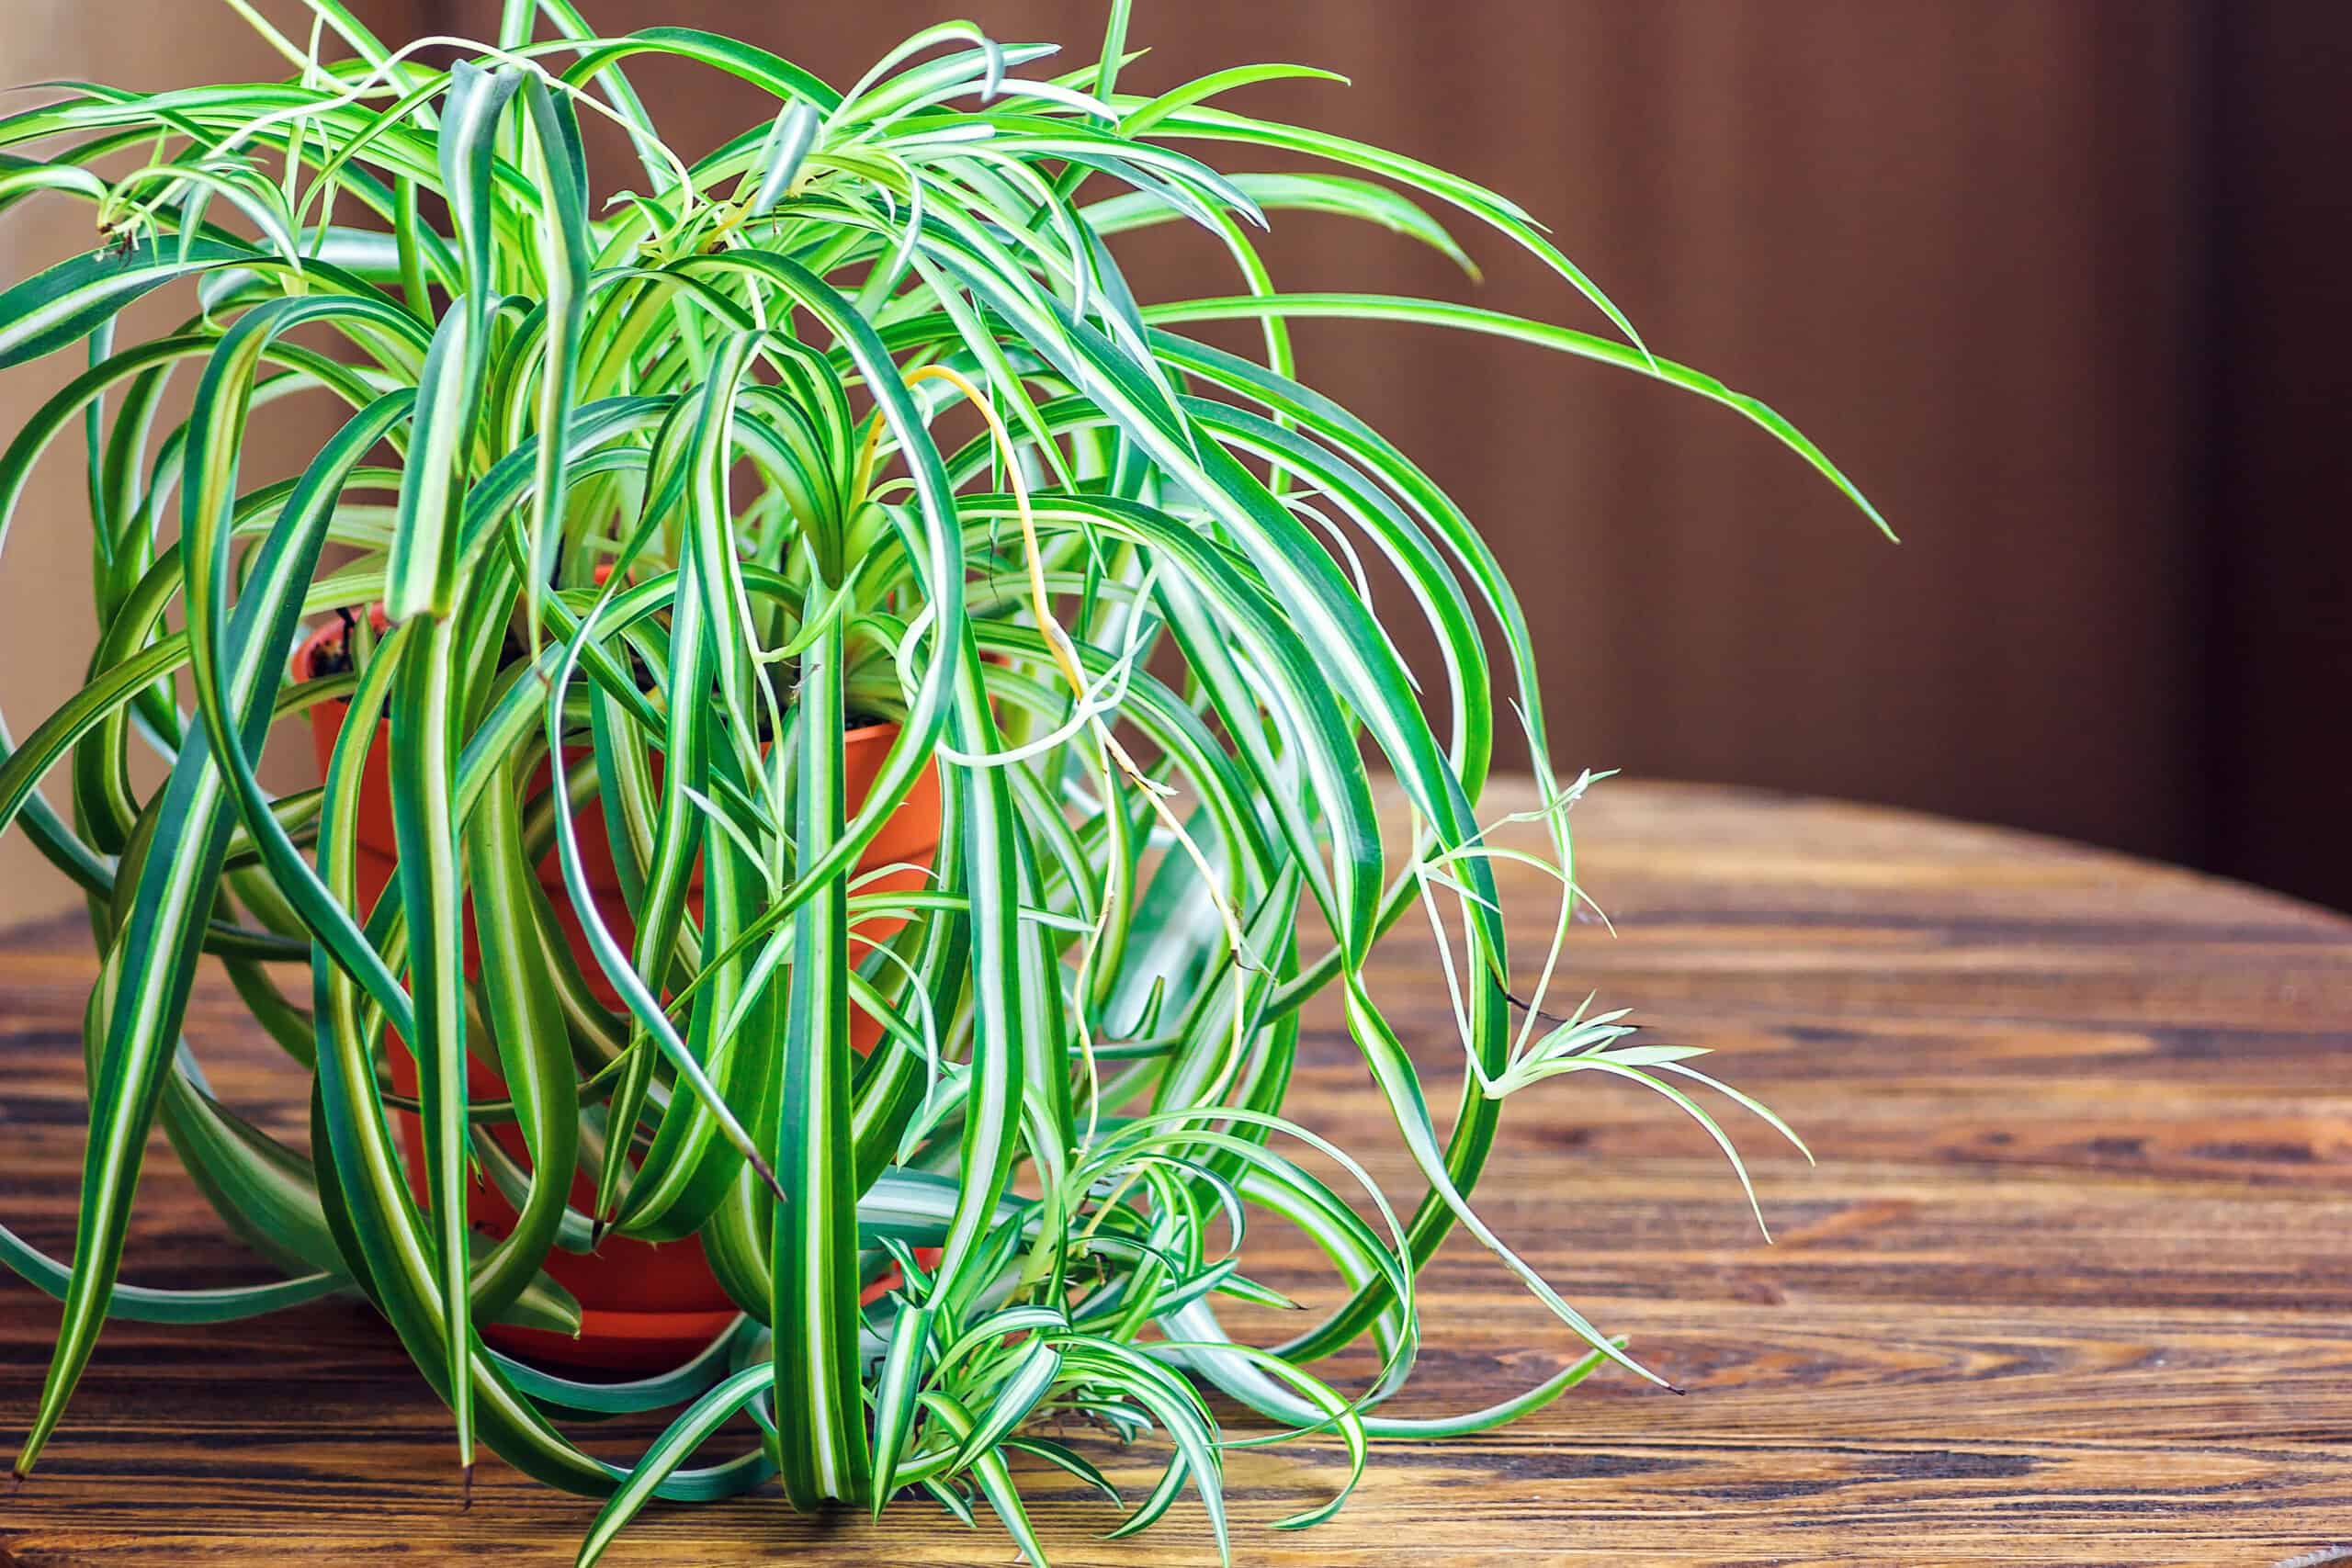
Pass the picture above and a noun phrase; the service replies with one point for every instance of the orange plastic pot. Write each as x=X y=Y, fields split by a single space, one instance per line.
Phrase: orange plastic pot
x=642 y=1306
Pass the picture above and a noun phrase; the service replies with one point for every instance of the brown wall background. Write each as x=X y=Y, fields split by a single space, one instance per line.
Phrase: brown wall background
x=2058 y=282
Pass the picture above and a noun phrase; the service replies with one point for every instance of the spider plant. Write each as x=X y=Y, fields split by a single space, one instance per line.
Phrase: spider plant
x=853 y=419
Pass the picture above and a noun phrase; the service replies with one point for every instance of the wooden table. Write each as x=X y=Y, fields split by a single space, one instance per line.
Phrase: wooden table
x=2072 y=1284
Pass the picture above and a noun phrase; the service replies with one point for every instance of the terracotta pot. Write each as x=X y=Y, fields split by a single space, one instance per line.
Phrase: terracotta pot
x=643 y=1307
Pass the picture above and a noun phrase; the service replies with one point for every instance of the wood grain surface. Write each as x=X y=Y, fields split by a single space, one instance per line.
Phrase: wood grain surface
x=2072 y=1283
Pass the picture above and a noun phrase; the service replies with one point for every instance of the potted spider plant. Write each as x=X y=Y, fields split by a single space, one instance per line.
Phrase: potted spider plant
x=842 y=739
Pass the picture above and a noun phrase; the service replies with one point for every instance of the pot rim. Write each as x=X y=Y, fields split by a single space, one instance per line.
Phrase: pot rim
x=306 y=654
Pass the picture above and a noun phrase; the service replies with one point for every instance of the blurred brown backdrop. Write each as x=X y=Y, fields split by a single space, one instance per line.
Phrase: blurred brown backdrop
x=2058 y=282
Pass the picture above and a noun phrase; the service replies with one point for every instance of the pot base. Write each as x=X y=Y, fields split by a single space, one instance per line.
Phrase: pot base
x=611 y=1341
